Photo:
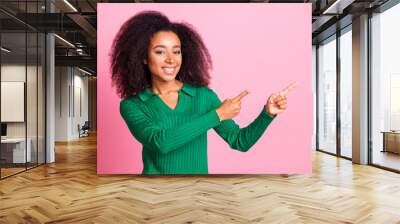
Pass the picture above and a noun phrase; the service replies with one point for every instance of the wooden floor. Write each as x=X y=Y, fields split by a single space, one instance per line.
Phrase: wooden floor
x=5 y=172
x=70 y=191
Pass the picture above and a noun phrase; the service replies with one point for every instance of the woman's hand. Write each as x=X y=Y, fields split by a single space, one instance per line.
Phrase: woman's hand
x=230 y=108
x=277 y=102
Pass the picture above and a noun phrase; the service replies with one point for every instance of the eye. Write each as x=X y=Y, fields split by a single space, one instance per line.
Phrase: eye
x=177 y=52
x=160 y=52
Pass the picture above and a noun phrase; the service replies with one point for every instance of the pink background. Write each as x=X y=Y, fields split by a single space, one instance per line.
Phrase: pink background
x=254 y=46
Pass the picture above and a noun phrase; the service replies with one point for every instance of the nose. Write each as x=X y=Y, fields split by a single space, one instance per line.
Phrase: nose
x=169 y=59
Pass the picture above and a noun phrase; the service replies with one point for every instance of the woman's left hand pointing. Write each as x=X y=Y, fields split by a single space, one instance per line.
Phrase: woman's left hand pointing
x=277 y=102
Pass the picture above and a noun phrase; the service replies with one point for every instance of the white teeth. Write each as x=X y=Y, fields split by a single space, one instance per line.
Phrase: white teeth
x=169 y=70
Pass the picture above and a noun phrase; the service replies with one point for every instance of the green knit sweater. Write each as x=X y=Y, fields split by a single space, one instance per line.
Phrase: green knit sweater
x=175 y=140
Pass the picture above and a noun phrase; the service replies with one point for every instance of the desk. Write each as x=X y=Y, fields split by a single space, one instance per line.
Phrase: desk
x=16 y=148
x=391 y=141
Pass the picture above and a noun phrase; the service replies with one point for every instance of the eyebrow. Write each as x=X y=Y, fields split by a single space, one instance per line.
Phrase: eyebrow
x=163 y=46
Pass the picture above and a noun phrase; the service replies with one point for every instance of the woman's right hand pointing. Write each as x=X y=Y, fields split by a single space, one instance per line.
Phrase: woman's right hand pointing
x=277 y=102
x=230 y=108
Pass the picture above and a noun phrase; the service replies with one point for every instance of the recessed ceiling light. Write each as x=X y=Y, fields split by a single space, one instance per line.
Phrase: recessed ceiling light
x=70 y=5
x=64 y=40
x=5 y=50
x=84 y=71
x=337 y=7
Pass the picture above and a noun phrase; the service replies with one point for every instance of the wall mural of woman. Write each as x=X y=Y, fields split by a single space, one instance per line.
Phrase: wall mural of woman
x=161 y=70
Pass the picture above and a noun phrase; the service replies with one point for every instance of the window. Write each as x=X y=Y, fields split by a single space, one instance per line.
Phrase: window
x=346 y=92
x=327 y=95
x=385 y=88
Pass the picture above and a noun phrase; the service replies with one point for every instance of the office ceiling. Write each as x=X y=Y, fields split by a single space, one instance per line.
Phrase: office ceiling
x=76 y=22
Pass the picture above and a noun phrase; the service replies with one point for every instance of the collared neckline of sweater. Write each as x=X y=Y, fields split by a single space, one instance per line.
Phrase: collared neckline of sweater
x=147 y=93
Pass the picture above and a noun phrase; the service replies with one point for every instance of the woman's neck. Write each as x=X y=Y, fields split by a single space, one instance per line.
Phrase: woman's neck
x=162 y=88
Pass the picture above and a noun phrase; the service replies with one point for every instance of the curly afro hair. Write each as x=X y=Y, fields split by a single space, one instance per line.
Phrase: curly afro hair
x=130 y=75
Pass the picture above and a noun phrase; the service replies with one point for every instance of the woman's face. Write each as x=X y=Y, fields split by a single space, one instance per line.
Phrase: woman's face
x=164 y=56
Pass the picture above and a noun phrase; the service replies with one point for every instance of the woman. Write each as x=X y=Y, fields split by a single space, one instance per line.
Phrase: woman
x=160 y=69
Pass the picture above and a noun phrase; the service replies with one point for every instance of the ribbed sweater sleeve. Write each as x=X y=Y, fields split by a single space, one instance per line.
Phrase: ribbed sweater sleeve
x=163 y=140
x=241 y=139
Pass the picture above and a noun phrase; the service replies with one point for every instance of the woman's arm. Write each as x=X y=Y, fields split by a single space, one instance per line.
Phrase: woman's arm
x=163 y=140
x=238 y=138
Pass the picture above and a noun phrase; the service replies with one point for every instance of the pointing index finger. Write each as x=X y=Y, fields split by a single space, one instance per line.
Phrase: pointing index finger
x=241 y=95
x=290 y=87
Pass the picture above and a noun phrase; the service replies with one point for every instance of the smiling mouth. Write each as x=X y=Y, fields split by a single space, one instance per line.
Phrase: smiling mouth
x=169 y=70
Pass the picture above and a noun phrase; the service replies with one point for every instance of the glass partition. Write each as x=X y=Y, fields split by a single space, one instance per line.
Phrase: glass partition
x=41 y=87
x=31 y=100
x=327 y=95
x=13 y=103
x=22 y=88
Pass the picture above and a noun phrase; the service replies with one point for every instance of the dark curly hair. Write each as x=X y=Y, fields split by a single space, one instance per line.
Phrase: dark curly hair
x=130 y=75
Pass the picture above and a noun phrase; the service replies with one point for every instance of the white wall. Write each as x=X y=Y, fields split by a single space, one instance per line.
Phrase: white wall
x=81 y=84
x=62 y=78
x=71 y=94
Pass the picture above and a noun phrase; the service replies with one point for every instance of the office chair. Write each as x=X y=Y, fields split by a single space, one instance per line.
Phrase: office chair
x=84 y=130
